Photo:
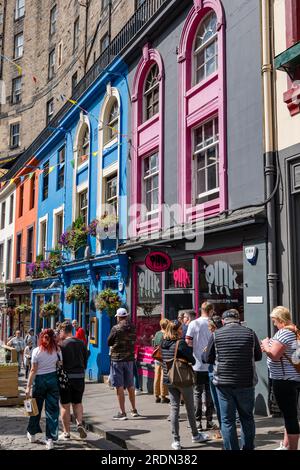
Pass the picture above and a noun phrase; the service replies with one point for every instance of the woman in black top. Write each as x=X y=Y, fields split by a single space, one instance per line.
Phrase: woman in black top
x=172 y=335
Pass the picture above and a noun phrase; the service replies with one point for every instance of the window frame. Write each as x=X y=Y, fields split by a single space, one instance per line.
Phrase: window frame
x=150 y=177
x=14 y=135
x=204 y=47
x=18 y=47
x=18 y=254
x=85 y=208
x=29 y=248
x=196 y=152
x=110 y=135
x=76 y=34
x=57 y=236
x=82 y=145
x=11 y=209
x=16 y=98
x=32 y=193
x=150 y=92
x=53 y=21
x=51 y=64
x=45 y=181
x=3 y=216
x=19 y=15
x=113 y=200
x=8 y=259
x=21 y=201
x=61 y=168
x=49 y=116
x=43 y=229
x=1 y=260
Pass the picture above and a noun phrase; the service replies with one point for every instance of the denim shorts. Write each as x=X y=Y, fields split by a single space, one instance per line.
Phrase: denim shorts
x=121 y=374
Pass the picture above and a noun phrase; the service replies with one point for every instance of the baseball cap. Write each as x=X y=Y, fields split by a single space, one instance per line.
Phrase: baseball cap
x=234 y=314
x=121 y=312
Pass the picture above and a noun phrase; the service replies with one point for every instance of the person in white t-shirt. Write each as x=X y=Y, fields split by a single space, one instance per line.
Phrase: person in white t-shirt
x=43 y=375
x=197 y=337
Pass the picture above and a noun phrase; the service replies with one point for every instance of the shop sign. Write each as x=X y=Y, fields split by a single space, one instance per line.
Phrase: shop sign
x=221 y=276
x=181 y=278
x=149 y=286
x=158 y=261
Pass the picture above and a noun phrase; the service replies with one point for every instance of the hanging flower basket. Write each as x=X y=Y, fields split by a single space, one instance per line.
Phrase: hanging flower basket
x=108 y=300
x=23 y=309
x=49 y=309
x=75 y=237
x=77 y=293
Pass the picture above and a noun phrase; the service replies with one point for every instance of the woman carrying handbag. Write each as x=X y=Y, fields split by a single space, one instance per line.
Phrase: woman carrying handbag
x=43 y=376
x=177 y=359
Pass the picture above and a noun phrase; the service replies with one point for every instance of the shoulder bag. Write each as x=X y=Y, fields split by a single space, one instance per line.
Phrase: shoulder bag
x=180 y=373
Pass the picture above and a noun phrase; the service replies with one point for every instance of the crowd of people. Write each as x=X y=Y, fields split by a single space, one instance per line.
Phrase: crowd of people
x=220 y=349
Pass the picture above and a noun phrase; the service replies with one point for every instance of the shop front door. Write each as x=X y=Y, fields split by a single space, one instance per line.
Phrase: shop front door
x=176 y=302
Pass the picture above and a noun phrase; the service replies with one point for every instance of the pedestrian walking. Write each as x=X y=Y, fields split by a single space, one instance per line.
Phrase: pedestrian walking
x=172 y=340
x=122 y=340
x=160 y=389
x=79 y=332
x=27 y=357
x=31 y=337
x=197 y=337
x=44 y=382
x=18 y=344
x=285 y=374
x=74 y=355
x=234 y=350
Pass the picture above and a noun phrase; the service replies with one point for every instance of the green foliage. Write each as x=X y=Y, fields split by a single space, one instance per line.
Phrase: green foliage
x=77 y=293
x=108 y=300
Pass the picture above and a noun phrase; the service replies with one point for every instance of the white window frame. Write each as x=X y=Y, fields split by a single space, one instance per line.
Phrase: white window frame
x=51 y=64
x=7 y=260
x=18 y=47
x=202 y=48
x=43 y=220
x=81 y=147
x=148 y=214
x=59 y=54
x=20 y=9
x=16 y=94
x=108 y=173
x=50 y=104
x=150 y=90
x=215 y=144
x=56 y=212
x=109 y=138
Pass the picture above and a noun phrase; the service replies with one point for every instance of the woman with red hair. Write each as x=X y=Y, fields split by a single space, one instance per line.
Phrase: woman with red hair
x=43 y=376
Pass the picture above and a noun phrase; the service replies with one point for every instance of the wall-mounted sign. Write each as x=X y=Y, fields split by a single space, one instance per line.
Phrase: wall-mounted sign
x=181 y=278
x=158 y=261
x=251 y=253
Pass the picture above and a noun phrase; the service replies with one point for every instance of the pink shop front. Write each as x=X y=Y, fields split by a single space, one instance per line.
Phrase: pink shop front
x=214 y=275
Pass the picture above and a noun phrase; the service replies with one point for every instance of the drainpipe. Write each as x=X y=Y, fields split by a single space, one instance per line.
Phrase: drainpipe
x=269 y=153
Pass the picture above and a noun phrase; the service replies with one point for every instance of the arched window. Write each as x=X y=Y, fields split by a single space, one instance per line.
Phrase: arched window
x=83 y=145
x=206 y=48
x=112 y=127
x=151 y=93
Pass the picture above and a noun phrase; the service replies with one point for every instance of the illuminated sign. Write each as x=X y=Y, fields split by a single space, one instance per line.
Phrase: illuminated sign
x=158 y=261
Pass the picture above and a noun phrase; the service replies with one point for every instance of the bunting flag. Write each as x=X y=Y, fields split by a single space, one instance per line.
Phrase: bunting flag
x=72 y=101
x=19 y=69
x=51 y=169
x=31 y=175
x=12 y=180
x=95 y=153
x=73 y=163
x=22 y=179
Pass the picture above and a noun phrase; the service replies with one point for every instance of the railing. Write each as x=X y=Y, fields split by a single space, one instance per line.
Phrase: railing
x=140 y=18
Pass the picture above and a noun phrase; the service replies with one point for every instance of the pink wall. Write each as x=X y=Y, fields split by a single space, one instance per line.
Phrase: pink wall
x=146 y=137
x=196 y=104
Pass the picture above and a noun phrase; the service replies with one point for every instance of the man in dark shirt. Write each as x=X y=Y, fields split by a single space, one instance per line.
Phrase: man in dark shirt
x=122 y=340
x=74 y=355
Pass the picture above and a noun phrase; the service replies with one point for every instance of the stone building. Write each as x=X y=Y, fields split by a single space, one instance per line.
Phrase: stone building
x=39 y=70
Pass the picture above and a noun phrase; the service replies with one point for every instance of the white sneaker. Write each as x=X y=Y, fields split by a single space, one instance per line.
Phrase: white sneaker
x=49 y=444
x=31 y=437
x=282 y=447
x=176 y=445
x=64 y=436
x=202 y=437
x=138 y=392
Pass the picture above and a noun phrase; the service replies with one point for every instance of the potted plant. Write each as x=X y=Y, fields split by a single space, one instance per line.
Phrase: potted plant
x=23 y=309
x=76 y=292
x=49 y=309
x=108 y=300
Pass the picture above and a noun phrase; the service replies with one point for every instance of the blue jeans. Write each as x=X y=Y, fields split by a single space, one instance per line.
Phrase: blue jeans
x=241 y=400
x=214 y=396
x=45 y=388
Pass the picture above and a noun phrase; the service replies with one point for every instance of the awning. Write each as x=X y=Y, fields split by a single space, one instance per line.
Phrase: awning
x=289 y=60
